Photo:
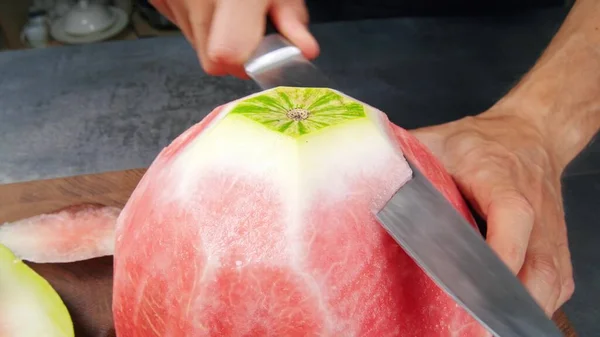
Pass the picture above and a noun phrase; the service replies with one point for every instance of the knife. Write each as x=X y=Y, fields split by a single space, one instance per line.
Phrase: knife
x=276 y=62
x=457 y=258
x=420 y=219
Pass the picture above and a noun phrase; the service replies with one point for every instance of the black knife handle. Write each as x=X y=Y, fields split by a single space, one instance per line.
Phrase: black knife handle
x=270 y=27
x=481 y=223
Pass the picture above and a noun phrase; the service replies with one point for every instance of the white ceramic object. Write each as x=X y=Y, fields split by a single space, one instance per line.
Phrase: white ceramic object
x=35 y=32
x=60 y=8
x=126 y=5
x=86 y=18
x=58 y=32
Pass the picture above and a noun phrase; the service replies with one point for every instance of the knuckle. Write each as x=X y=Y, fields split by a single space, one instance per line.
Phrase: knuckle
x=209 y=68
x=511 y=158
x=544 y=267
x=299 y=8
x=480 y=175
x=200 y=22
x=519 y=203
x=225 y=54
x=568 y=287
x=465 y=143
x=515 y=256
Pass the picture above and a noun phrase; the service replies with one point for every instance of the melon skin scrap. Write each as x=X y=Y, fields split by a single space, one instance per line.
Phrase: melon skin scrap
x=259 y=221
x=74 y=233
x=29 y=306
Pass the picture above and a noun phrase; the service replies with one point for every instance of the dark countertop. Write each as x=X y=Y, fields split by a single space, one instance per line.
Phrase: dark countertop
x=115 y=105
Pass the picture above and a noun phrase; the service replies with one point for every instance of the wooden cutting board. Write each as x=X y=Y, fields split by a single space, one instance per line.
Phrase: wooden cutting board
x=25 y=199
x=86 y=286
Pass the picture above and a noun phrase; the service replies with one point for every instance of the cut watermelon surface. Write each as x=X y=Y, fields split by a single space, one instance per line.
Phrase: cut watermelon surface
x=74 y=233
x=260 y=221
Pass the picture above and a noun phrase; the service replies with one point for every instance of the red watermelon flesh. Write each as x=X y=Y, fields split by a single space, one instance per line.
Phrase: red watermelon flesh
x=74 y=233
x=259 y=221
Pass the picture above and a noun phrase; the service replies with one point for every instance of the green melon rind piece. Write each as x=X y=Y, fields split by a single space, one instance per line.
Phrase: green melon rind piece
x=296 y=112
x=27 y=296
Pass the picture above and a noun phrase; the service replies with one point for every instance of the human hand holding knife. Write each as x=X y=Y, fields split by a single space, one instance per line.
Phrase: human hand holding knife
x=225 y=33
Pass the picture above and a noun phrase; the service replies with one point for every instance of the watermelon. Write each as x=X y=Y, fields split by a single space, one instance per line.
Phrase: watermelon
x=74 y=233
x=260 y=221
x=29 y=306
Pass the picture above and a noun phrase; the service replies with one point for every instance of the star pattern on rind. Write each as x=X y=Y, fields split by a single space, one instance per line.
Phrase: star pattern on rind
x=325 y=107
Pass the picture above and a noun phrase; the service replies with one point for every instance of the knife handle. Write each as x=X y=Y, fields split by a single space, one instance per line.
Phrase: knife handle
x=479 y=221
x=270 y=26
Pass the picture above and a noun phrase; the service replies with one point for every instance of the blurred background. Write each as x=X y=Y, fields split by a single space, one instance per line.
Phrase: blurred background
x=43 y=23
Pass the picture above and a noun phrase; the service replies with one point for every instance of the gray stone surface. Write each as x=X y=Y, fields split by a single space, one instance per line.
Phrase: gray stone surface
x=115 y=105
x=110 y=106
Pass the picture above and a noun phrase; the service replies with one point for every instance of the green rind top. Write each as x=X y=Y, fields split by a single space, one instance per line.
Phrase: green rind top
x=299 y=111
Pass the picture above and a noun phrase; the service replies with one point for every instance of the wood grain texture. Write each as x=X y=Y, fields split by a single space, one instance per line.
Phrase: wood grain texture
x=25 y=199
x=563 y=323
x=86 y=286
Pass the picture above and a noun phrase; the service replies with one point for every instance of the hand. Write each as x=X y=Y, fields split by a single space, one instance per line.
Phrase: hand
x=503 y=168
x=224 y=33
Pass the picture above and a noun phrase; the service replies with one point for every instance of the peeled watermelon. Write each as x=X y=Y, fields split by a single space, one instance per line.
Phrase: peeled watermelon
x=259 y=221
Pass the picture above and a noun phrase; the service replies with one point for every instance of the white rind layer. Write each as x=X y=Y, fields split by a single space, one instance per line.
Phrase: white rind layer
x=324 y=162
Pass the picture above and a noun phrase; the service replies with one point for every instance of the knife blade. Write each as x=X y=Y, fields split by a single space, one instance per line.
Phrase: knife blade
x=458 y=259
x=425 y=224
x=277 y=62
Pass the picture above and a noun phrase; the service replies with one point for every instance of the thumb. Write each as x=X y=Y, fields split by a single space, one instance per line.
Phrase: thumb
x=433 y=138
x=291 y=19
x=510 y=219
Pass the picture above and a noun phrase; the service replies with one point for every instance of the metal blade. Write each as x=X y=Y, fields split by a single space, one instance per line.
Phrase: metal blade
x=276 y=62
x=422 y=221
x=458 y=259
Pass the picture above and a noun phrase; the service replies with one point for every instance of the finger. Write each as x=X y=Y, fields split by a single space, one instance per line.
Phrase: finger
x=236 y=30
x=551 y=237
x=564 y=257
x=164 y=9
x=291 y=19
x=176 y=13
x=200 y=15
x=510 y=219
x=541 y=277
x=566 y=273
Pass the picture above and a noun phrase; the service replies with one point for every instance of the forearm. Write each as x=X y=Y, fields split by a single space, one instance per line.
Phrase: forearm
x=561 y=93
